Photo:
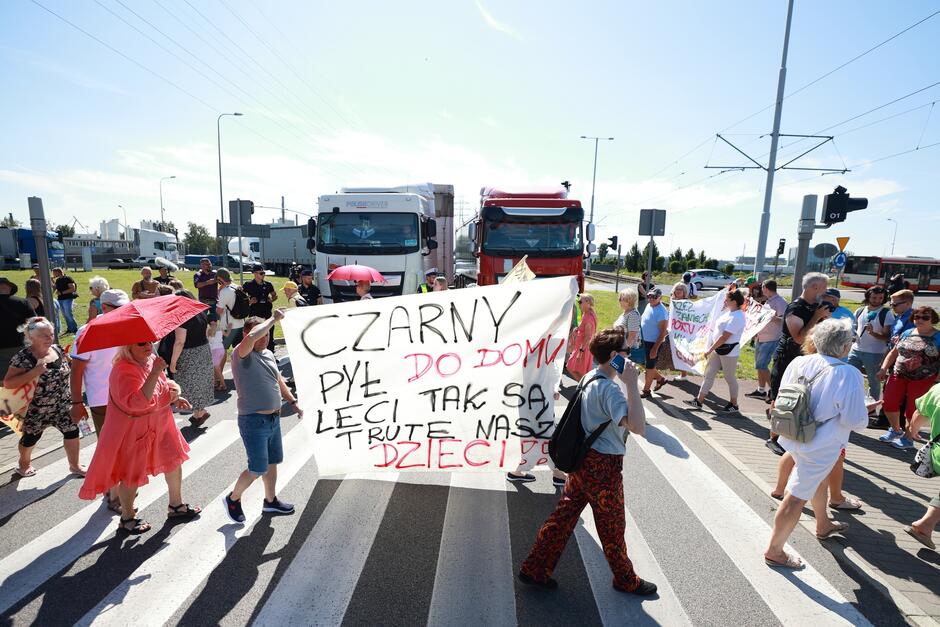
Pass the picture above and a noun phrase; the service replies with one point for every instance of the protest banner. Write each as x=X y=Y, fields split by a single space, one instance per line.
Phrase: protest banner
x=453 y=380
x=14 y=403
x=691 y=324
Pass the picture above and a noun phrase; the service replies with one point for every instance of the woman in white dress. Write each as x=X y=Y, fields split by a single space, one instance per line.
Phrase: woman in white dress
x=837 y=403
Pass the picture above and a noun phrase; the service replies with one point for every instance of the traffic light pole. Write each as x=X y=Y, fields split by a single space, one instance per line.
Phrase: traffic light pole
x=617 y=271
x=776 y=262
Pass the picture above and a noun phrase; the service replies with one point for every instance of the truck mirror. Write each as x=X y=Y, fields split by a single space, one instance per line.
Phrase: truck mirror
x=311 y=244
x=591 y=248
x=432 y=230
x=590 y=232
x=472 y=231
x=311 y=230
x=432 y=244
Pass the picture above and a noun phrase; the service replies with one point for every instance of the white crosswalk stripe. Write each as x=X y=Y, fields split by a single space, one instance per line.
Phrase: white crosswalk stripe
x=473 y=581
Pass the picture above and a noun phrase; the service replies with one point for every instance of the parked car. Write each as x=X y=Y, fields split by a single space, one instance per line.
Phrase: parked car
x=706 y=279
x=120 y=264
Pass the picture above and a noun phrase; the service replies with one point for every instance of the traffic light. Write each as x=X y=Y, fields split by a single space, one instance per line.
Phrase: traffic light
x=837 y=204
x=613 y=242
x=781 y=246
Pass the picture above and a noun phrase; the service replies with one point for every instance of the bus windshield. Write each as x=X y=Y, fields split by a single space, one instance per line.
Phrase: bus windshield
x=862 y=265
x=544 y=239
x=368 y=232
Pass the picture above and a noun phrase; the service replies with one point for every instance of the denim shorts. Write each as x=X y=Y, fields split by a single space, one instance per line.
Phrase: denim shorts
x=763 y=353
x=233 y=338
x=261 y=434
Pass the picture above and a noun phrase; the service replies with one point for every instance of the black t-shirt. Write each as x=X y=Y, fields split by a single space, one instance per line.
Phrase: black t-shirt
x=310 y=293
x=261 y=292
x=196 y=331
x=61 y=284
x=803 y=310
x=14 y=311
x=164 y=280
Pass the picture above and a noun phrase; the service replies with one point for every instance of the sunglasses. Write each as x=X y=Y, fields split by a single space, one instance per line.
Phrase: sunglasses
x=897 y=303
x=922 y=317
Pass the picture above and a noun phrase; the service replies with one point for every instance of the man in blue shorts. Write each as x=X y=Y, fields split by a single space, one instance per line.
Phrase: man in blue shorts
x=261 y=392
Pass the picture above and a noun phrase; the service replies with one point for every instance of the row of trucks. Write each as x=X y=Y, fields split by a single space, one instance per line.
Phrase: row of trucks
x=404 y=231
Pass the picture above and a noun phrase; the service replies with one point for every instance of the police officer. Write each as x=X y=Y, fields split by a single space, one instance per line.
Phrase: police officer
x=428 y=285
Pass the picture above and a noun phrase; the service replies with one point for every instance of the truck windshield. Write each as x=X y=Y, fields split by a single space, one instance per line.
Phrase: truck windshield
x=368 y=232
x=546 y=239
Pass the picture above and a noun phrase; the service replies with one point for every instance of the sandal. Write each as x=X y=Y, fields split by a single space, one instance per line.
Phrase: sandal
x=778 y=497
x=198 y=421
x=183 y=510
x=133 y=526
x=793 y=562
x=29 y=472
x=659 y=384
x=646 y=394
x=849 y=504
x=78 y=473
x=920 y=537
x=837 y=528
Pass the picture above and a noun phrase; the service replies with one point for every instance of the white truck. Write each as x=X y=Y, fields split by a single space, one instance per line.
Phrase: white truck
x=400 y=231
x=286 y=247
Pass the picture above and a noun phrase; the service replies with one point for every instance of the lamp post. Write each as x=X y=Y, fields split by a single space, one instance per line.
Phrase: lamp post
x=218 y=128
x=895 y=233
x=121 y=207
x=165 y=178
x=593 y=183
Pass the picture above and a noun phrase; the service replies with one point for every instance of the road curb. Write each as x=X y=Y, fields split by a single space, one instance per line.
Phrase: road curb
x=911 y=612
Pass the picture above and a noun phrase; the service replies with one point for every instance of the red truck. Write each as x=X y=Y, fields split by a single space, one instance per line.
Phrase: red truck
x=544 y=224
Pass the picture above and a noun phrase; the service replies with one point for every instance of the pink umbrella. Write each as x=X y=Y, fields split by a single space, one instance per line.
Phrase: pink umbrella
x=356 y=273
x=138 y=321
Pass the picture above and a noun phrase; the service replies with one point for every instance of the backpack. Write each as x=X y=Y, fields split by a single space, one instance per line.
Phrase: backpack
x=240 y=308
x=569 y=444
x=791 y=415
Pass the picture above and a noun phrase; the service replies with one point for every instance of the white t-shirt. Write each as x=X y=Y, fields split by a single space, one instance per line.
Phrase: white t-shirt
x=867 y=343
x=226 y=302
x=97 y=371
x=732 y=322
x=215 y=341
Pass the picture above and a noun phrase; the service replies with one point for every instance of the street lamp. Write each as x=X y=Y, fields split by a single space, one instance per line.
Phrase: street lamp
x=218 y=128
x=593 y=183
x=895 y=233
x=165 y=178
x=121 y=207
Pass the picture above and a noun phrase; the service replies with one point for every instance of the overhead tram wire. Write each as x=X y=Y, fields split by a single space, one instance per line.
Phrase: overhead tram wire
x=237 y=95
x=166 y=80
x=806 y=86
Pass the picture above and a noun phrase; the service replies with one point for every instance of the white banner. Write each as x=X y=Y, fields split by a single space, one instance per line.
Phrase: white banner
x=453 y=380
x=691 y=324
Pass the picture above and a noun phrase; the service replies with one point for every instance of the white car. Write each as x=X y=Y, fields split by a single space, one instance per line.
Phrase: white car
x=705 y=278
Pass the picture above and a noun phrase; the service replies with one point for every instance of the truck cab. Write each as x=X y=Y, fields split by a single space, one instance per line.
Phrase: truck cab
x=544 y=224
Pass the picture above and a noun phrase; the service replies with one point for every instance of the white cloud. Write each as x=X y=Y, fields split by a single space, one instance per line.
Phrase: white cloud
x=495 y=24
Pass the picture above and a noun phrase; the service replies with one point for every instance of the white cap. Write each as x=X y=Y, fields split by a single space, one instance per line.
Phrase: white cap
x=114 y=298
x=430 y=271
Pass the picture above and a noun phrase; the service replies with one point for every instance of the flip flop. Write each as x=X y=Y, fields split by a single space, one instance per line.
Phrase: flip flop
x=29 y=472
x=659 y=384
x=923 y=539
x=847 y=504
x=793 y=562
x=78 y=473
x=837 y=528
x=778 y=497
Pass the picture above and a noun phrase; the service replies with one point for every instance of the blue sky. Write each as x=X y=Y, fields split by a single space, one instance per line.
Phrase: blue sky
x=473 y=93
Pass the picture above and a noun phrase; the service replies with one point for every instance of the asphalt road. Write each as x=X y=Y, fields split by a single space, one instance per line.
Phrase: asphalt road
x=411 y=548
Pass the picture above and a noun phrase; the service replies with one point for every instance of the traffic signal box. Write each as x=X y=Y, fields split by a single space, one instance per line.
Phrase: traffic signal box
x=838 y=204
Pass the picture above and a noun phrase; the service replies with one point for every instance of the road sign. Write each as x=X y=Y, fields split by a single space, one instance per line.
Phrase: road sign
x=842 y=241
x=839 y=260
x=653 y=222
x=227 y=229
x=824 y=251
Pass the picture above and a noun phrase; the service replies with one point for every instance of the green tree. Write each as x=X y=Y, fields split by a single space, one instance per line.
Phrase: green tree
x=634 y=258
x=676 y=266
x=64 y=230
x=728 y=269
x=660 y=264
x=702 y=259
x=711 y=264
x=690 y=256
x=676 y=255
x=198 y=241
x=602 y=251
x=10 y=221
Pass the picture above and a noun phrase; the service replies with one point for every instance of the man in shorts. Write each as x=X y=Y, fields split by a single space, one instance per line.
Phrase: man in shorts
x=261 y=392
x=765 y=342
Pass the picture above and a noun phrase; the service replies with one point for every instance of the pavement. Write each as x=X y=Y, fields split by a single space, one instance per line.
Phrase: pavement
x=442 y=549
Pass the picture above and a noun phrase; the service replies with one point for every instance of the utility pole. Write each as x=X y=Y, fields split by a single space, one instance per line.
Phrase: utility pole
x=772 y=163
x=617 y=270
x=593 y=184
x=807 y=226
x=37 y=219
x=282 y=210
x=895 y=234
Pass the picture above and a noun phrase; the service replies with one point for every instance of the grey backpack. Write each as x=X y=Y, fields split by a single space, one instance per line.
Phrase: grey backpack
x=791 y=415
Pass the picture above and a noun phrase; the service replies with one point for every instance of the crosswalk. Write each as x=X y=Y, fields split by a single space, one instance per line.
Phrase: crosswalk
x=436 y=549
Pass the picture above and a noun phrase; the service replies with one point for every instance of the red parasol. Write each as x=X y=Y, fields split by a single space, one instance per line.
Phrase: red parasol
x=146 y=320
x=356 y=273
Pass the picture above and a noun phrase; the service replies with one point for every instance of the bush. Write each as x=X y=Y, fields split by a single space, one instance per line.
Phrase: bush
x=711 y=264
x=676 y=266
x=728 y=269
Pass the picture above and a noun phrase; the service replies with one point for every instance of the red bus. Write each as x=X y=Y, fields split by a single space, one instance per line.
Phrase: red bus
x=920 y=273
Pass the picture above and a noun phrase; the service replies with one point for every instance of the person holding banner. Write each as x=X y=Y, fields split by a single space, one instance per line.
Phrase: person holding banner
x=723 y=352
x=599 y=480
x=580 y=361
x=261 y=391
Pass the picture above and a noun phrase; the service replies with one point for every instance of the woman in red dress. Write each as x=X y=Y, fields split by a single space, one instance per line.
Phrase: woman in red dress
x=140 y=438
x=580 y=360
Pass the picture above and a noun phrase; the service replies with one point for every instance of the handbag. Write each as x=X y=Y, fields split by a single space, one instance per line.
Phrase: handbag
x=724 y=349
x=664 y=356
x=923 y=459
x=638 y=352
